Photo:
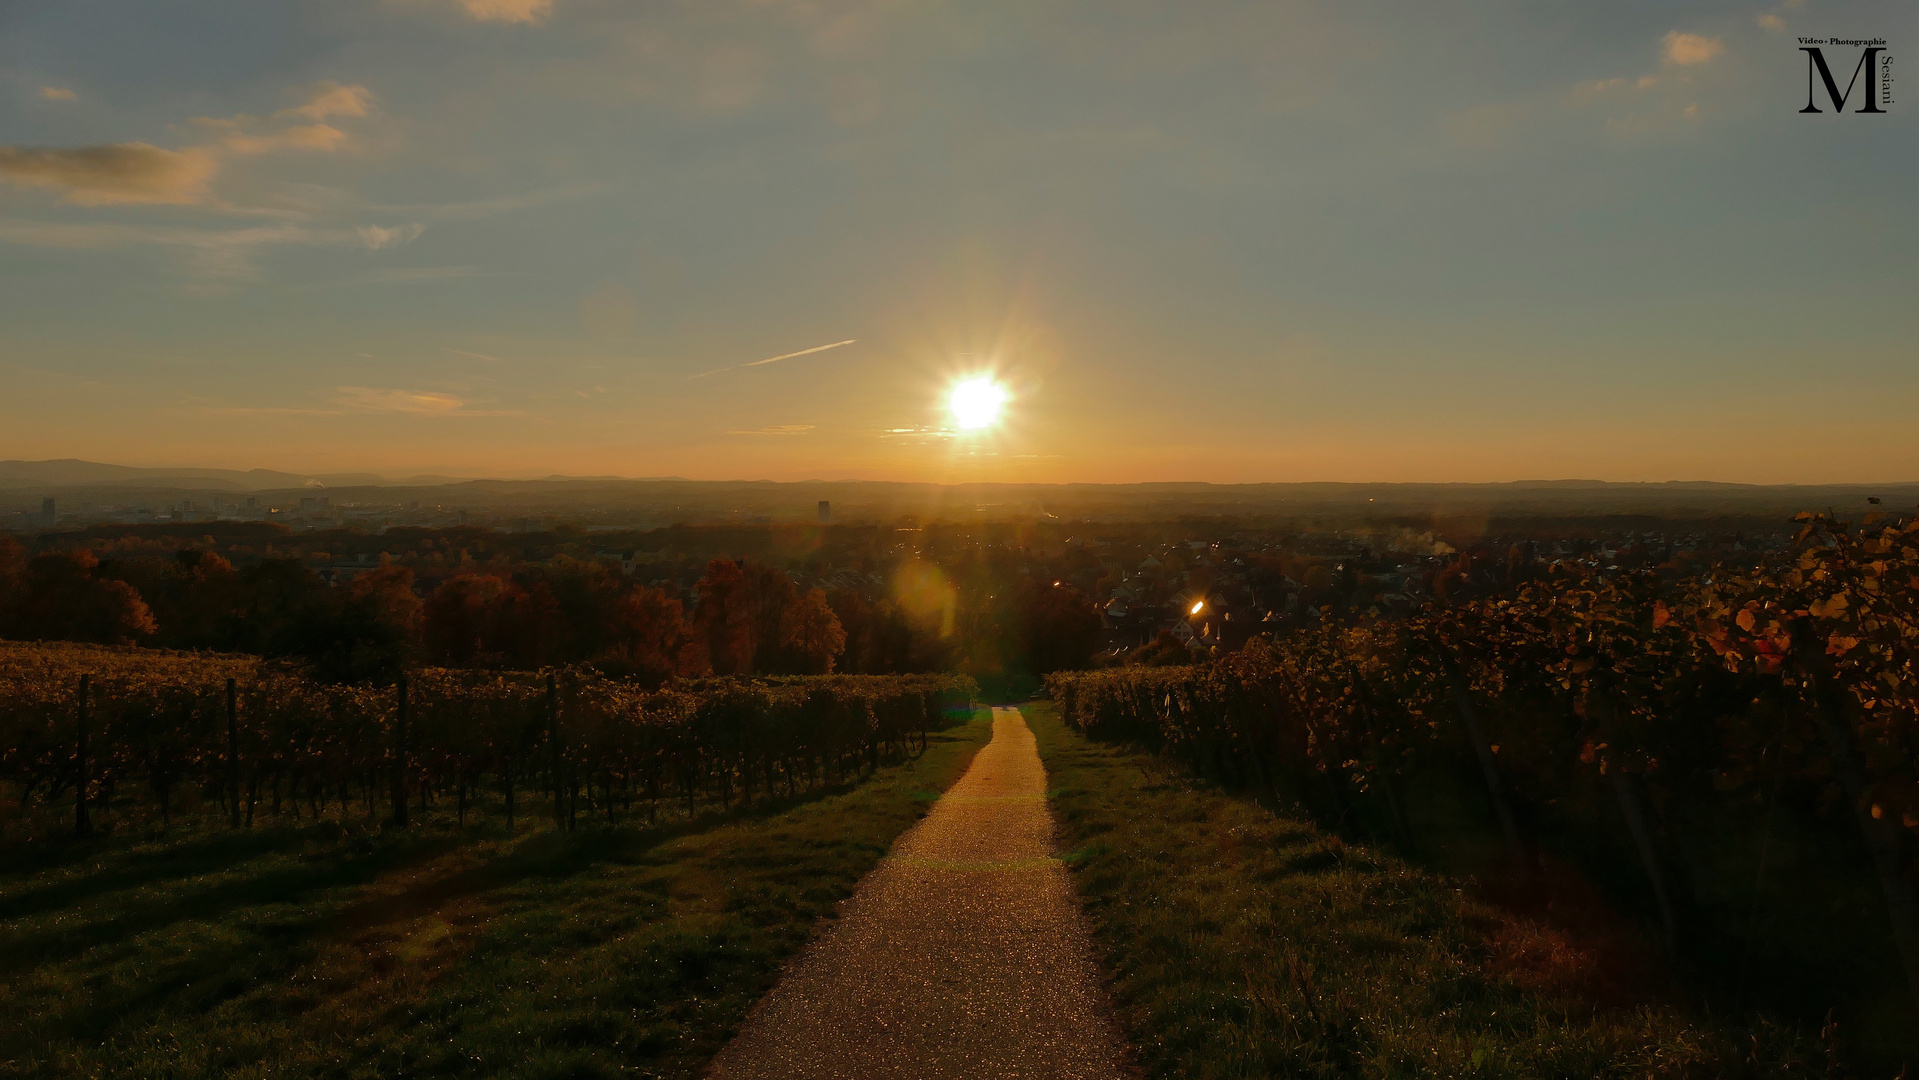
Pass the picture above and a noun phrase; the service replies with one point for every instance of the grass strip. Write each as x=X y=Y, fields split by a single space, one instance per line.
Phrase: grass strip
x=1243 y=944
x=335 y=951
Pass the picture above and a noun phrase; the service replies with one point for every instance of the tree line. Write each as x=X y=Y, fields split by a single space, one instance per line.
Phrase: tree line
x=741 y=617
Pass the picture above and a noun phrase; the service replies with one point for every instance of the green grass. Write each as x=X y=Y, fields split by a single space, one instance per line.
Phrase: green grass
x=1242 y=944
x=331 y=950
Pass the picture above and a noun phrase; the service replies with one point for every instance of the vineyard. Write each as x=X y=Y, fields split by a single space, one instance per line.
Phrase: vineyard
x=1672 y=713
x=138 y=734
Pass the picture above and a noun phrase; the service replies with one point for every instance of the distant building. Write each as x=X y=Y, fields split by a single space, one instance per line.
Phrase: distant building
x=826 y=512
x=51 y=516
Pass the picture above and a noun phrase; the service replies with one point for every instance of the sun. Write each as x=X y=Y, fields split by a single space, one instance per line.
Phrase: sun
x=976 y=402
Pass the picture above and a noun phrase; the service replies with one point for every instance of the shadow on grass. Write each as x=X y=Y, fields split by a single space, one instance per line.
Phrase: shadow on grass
x=354 y=860
x=153 y=861
x=552 y=855
x=278 y=885
x=304 y=949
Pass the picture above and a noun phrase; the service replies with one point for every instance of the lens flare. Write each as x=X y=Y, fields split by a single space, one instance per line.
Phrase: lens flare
x=976 y=402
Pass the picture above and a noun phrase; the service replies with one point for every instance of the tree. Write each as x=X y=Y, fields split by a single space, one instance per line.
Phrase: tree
x=650 y=638
x=812 y=631
x=60 y=597
x=388 y=596
x=486 y=620
x=724 y=620
x=1061 y=627
x=368 y=635
x=769 y=595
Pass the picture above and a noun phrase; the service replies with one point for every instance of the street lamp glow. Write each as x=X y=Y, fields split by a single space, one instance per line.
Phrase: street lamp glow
x=976 y=402
x=1197 y=605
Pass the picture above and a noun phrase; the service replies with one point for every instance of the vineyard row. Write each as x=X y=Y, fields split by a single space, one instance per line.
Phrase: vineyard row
x=105 y=728
x=1689 y=706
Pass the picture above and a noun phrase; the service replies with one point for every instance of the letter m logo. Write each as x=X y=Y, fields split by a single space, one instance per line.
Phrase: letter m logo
x=1816 y=63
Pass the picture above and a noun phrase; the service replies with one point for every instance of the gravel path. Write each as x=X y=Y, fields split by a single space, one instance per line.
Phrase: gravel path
x=963 y=955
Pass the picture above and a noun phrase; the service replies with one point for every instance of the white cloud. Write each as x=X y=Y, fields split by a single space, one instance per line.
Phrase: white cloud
x=376 y=237
x=327 y=99
x=1688 y=49
x=246 y=134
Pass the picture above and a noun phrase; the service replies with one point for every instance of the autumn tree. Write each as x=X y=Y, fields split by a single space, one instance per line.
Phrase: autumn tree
x=486 y=620
x=812 y=632
x=723 y=621
x=59 y=596
x=650 y=639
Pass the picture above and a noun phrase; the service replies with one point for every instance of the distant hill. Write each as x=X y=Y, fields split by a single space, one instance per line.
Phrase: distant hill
x=72 y=472
x=607 y=501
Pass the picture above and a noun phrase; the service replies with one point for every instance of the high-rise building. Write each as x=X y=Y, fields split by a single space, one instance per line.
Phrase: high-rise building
x=826 y=512
x=47 y=512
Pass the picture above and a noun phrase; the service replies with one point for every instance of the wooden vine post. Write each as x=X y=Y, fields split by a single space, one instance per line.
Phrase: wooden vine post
x=400 y=752
x=553 y=753
x=233 y=756
x=82 y=823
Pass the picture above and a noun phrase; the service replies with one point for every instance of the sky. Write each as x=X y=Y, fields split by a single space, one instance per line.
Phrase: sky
x=761 y=239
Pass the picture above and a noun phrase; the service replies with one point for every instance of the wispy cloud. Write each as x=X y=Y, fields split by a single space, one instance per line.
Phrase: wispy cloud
x=134 y=173
x=474 y=355
x=56 y=93
x=507 y=11
x=352 y=400
x=376 y=237
x=107 y=175
x=774 y=359
x=213 y=253
x=300 y=127
x=482 y=208
x=400 y=275
x=776 y=429
x=369 y=399
x=407 y=275
x=267 y=410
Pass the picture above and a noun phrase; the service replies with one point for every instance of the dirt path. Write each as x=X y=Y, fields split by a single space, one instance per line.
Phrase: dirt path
x=962 y=956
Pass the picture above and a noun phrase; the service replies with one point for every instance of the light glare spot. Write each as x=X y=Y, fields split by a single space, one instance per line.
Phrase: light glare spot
x=976 y=402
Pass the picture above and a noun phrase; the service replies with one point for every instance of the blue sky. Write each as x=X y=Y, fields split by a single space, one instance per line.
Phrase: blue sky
x=1233 y=242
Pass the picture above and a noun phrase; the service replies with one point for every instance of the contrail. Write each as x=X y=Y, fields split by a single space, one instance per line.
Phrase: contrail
x=773 y=359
